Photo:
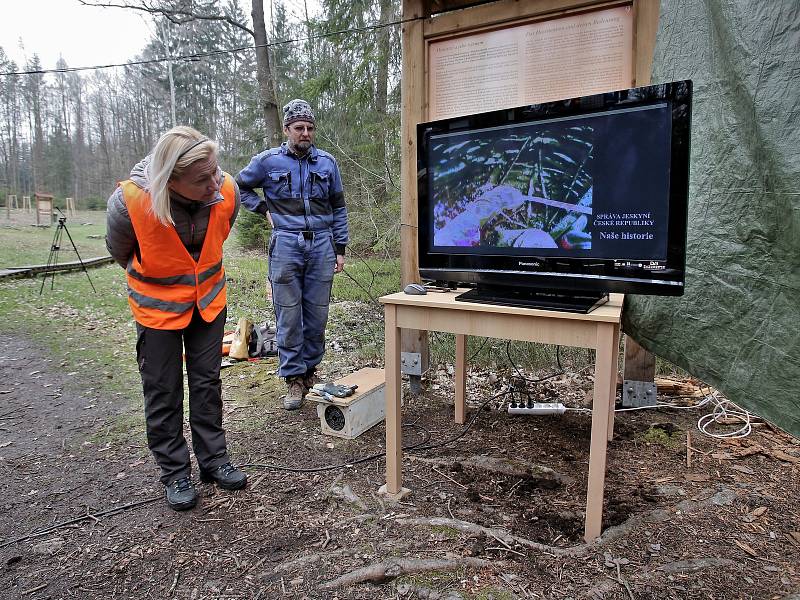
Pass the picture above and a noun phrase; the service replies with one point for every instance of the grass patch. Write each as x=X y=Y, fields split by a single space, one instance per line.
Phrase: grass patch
x=86 y=329
x=367 y=279
x=445 y=530
x=122 y=430
x=437 y=580
x=356 y=329
x=254 y=385
x=24 y=245
x=499 y=353
x=247 y=284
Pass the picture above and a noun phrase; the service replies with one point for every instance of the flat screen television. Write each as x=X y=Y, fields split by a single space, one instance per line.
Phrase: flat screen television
x=557 y=204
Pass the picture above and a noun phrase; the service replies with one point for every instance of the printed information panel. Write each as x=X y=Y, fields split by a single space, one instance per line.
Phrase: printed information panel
x=548 y=60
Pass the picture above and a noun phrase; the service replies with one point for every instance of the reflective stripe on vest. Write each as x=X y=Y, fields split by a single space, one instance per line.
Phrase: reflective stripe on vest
x=177 y=279
x=164 y=282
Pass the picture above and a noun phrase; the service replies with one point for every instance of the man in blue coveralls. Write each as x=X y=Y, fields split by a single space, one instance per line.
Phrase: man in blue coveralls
x=303 y=197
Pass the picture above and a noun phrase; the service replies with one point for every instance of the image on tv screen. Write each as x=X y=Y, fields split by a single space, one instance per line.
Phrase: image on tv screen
x=589 y=186
x=521 y=187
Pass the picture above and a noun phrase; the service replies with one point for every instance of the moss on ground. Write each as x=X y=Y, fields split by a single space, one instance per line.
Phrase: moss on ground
x=661 y=436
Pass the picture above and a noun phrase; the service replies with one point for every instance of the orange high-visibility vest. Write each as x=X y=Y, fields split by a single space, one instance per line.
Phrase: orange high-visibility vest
x=164 y=282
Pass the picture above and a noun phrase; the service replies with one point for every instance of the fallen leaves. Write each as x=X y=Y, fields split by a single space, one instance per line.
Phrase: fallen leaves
x=746 y=548
x=754 y=514
x=755 y=448
x=697 y=477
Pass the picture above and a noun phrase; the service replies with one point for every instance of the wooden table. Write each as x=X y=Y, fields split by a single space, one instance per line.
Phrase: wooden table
x=437 y=311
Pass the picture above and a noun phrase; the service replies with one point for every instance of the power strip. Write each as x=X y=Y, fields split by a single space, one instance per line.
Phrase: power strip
x=538 y=408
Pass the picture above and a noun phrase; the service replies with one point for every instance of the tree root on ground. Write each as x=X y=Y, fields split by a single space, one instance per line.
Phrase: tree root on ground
x=309 y=559
x=395 y=567
x=510 y=540
x=611 y=534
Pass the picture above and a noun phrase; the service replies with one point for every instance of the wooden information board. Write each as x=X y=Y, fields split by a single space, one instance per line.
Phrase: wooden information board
x=557 y=58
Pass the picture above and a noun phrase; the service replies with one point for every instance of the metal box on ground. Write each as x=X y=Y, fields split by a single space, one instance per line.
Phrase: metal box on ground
x=350 y=417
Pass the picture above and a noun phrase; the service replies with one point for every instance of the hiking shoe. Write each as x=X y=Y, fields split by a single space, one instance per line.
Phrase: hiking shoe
x=310 y=378
x=225 y=476
x=181 y=494
x=294 y=393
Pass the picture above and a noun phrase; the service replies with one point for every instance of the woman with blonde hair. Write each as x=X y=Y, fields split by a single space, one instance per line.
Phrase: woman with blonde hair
x=166 y=226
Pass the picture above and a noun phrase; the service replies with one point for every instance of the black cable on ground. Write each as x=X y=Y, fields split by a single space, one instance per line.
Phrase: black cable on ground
x=344 y=465
x=416 y=447
x=469 y=424
x=86 y=517
x=528 y=379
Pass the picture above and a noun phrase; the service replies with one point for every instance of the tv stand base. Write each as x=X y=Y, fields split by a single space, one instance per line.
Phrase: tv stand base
x=576 y=303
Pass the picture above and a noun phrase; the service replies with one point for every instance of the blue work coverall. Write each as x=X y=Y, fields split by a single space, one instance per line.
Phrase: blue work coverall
x=305 y=199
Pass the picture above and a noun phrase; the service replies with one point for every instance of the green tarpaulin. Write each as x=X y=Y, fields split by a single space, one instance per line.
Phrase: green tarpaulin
x=737 y=325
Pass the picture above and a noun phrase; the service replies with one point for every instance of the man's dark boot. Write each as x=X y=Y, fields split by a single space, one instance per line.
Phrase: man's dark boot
x=225 y=476
x=310 y=378
x=181 y=494
x=294 y=393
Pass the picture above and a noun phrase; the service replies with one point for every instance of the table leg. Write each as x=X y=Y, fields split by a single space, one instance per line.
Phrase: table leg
x=604 y=371
x=613 y=399
x=394 y=434
x=461 y=378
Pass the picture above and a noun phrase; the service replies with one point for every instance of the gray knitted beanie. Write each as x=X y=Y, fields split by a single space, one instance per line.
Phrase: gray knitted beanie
x=297 y=110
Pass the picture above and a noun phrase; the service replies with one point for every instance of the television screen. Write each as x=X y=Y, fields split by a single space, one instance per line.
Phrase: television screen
x=581 y=195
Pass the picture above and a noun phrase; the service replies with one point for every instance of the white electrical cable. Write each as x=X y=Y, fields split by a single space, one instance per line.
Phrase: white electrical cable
x=724 y=409
x=703 y=402
x=659 y=405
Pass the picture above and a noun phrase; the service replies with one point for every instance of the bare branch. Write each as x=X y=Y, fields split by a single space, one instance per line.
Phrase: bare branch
x=177 y=16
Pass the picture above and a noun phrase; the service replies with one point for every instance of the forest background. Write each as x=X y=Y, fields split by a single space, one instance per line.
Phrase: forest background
x=75 y=132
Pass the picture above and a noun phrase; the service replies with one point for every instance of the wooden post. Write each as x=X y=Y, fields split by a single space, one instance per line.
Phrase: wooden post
x=26 y=203
x=613 y=383
x=11 y=201
x=70 y=206
x=639 y=364
x=413 y=94
x=461 y=378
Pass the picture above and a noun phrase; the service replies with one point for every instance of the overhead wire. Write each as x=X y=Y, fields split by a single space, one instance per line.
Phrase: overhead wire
x=198 y=55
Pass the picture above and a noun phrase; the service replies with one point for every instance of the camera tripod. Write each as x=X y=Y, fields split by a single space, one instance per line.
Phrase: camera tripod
x=55 y=246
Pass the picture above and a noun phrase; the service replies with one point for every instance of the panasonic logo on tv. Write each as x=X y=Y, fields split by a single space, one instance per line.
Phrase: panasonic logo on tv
x=530 y=264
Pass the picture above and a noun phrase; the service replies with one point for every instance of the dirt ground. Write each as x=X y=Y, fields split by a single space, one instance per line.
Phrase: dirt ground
x=496 y=513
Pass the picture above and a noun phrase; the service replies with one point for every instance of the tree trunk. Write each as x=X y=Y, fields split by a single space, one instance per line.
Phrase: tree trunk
x=165 y=39
x=382 y=93
x=38 y=145
x=269 y=104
